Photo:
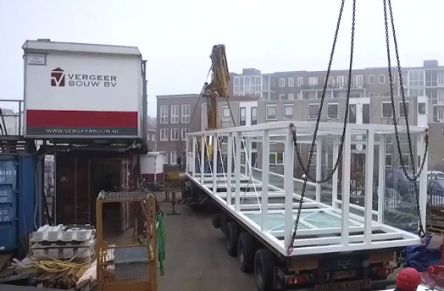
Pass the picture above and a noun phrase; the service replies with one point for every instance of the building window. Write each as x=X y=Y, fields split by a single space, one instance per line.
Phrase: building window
x=291 y=82
x=185 y=114
x=352 y=113
x=381 y=79
x=313 y=81
x=300 y=81
x=276 y=158
x=366 y=113
x=183 y=133
x=401 y=109
x=359 y=81
x=163 y=114
x=291 y=96
x=440 y=96
x=440 y=78
x=164 y=134
x=173 y=158
x=175 y=114
x=282 y=96
x=174 y=134
x=282 y=82
x=253 y=115
x=313 y=110
x=226 y=116
x=341 y=81
x=271 y=112
x=421 y=108
x=332 y=111
x=388 y=160
x=243 y=116
x=386 y=109
x=371 y=79
x=416 y=83
x=288 y=111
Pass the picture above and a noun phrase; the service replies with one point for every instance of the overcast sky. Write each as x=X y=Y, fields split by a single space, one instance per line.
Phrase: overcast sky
x=176 y=36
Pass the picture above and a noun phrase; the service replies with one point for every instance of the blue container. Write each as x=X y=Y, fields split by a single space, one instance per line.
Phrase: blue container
x=8 y=236
x=18 y=211
x=8 y=203
x=27 y=212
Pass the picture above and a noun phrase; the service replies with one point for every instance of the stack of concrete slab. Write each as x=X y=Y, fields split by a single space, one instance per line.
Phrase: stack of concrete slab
x=64 y=242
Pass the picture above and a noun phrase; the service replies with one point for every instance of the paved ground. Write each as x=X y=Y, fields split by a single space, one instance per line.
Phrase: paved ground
x=196 y=259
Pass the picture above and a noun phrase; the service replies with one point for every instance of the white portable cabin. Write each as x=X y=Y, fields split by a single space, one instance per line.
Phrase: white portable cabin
x=151 y=166
x=83 y=91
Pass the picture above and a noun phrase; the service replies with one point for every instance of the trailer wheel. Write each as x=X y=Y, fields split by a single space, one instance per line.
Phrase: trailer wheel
x=264 y=262
x=245 y=252
x=223 y=223
x=231 y=238
x=216 y=220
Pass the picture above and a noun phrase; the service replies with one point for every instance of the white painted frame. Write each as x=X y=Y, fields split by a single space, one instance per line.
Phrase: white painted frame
x=356 y=230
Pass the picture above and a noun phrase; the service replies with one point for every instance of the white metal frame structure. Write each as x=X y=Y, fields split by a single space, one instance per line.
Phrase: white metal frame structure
x=266 y=202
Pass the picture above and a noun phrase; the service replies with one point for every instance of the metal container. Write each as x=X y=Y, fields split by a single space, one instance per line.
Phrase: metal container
x=131 y=263
x=88 y=91
x=17 y=199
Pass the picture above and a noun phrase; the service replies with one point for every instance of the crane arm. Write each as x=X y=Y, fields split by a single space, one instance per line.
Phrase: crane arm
x=218 y=87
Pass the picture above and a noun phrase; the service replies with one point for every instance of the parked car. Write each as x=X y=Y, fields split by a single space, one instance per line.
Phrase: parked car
x=435 y=192
x=398 y=185
x=435 y=175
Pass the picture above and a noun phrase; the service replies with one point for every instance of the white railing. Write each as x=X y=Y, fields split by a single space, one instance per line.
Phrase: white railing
x=255 y=186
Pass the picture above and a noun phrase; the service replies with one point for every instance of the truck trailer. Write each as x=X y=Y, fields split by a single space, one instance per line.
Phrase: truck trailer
x=344 y=239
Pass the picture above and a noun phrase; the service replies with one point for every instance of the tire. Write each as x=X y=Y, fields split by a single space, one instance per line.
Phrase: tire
x=231 y=238
x=264 y=262
x=223 y=223
x=216 y=220
x=246 y=247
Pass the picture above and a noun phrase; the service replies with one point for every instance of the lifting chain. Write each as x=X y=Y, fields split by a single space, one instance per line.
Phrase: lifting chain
x=412 y=179
x=293 y=129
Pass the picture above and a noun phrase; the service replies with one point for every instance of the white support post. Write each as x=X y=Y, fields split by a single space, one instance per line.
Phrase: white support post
x=369 y=159
x=202 y=159
x=318 y=168
x=215 y=149
x=265 y=169
x=229 y=166
x=247 y=156
x=237 y=165
x=381 y=179
x=288 y=188
x=346 y=188
x=335 y=177
x=193 y=157
x=422 y=179
x=187 y=156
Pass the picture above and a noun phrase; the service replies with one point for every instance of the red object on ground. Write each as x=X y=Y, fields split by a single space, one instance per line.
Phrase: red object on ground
x=436 y=273
x=408 y=279
x=442 y=252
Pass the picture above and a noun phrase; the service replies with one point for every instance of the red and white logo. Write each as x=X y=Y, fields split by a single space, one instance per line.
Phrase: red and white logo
x=58 y=78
